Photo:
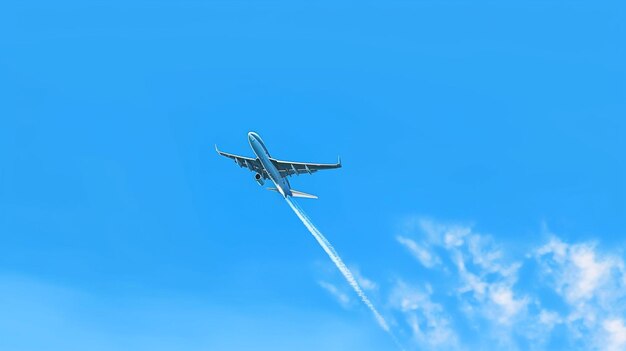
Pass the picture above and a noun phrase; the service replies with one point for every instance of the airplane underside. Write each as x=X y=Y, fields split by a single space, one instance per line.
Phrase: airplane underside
x=265 y=167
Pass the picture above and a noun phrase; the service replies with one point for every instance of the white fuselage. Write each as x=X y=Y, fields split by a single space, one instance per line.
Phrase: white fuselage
x=259 y=149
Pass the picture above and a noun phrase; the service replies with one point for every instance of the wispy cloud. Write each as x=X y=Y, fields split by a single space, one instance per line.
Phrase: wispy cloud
x=365 y=283
x=577 y=270
x=422 y=254
x=339 y=295
x=565 y=286
x=616 y=334
x=592 y=285
x=429 y=324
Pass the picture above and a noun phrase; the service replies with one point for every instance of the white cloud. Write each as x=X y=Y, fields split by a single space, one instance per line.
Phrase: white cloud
x=616 y=334
x=577 y=269
x=469 y=282
x=339 y=295
x=486 y=255
x=482 y=271
x=572 y=285
x=588 y=274
x=365 y=283
x=592 y=286
x=454 y=237
x=507 y=306
x=549 y=319
x=429 y=324
x=422 y=254
x=443 y=234
x=479 y=294
x=494 y=300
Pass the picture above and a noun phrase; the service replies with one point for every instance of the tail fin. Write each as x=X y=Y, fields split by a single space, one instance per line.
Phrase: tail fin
x=296 y=193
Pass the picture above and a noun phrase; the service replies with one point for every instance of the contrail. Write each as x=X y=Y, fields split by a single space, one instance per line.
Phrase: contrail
x=321 y=239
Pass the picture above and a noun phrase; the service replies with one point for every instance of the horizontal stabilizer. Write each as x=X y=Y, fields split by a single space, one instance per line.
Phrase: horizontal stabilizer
x=296 y=193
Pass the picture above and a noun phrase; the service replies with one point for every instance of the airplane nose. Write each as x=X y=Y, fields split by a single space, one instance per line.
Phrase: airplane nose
x=251 y=136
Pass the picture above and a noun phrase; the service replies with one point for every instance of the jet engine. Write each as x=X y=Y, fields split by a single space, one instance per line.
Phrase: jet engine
x=259 y=179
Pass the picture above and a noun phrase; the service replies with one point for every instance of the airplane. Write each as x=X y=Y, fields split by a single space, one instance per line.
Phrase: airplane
x=266 y=167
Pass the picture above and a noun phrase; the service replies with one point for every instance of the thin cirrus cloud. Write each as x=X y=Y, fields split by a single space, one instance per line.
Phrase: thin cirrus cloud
x=427 y=321
x=423 y=255
x=570 y=295
x=342 y=294
x=342 y=297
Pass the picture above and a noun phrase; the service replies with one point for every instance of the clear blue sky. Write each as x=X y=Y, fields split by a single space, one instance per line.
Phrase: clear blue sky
x=482 y=200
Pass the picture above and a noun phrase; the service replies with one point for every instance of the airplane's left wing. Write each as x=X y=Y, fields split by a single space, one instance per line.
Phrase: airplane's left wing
x=251 y=163
x=288 y=168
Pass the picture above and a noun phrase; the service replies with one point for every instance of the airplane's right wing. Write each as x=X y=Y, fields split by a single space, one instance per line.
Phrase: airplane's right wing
x=288 y=168
x=251 y=163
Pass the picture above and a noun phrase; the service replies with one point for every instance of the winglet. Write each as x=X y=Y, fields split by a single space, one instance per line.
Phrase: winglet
x=339 y=161
x=216 y=149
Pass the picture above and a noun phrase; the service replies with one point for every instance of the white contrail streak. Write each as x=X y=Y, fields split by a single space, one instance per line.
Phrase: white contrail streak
x=321 y=239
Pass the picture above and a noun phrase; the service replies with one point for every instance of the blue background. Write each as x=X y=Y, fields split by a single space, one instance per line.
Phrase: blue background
x=121 y=228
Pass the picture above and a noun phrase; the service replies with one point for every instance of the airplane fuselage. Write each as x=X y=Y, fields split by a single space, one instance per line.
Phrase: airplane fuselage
x=259 y=149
